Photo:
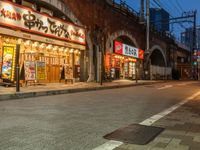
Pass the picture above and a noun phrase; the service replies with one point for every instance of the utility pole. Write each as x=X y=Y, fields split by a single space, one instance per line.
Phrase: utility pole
x=147 y=33
x=195 y=69
x=141 y=11
x=148 y=24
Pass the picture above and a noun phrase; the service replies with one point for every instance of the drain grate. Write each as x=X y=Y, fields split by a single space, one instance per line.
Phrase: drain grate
x=135 y=134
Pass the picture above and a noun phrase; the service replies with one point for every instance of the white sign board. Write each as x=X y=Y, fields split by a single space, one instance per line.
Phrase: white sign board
x=22 y=18
x=130 y=51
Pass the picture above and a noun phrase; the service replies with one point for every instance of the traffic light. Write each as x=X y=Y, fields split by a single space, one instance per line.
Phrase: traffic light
x=194 y=63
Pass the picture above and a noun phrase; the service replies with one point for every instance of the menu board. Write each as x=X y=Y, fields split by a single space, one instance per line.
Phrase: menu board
x=41 y=70
x=8 y=61
x=68 y=72
x=130 y=69
x=29 y=70
x=126 y=69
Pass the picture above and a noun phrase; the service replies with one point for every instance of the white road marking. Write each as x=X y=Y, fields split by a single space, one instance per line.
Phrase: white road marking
x=160 y=115
x=165 y=87
x=182 y=84
x=110 y=145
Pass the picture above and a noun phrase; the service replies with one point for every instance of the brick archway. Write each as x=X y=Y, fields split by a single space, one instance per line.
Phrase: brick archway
x=115 y=35
x=157 y=48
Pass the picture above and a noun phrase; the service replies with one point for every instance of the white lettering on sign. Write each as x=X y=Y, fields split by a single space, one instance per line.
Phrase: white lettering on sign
x=123 y=49
x=130 y=51
x=13 y=15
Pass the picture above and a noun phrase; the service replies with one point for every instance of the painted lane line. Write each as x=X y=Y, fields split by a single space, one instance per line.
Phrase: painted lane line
x=160 y=115
x=165 y=87
x=110 y=145
x=182 y=84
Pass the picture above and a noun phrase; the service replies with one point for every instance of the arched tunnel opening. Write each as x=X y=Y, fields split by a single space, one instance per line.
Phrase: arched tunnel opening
x=158 y=67
x=125 y=40
x=157 y=58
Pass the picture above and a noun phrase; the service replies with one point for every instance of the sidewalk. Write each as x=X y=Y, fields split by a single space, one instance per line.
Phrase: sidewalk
x=182 y=130
x=61 y=88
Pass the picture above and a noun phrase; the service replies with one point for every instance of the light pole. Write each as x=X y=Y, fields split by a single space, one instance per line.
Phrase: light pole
x=148 y=24
x=17 y=68
x=147 y=36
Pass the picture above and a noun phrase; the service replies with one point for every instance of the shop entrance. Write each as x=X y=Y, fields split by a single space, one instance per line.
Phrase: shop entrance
x=44 y=63
x=53 y=69
x=123 y=67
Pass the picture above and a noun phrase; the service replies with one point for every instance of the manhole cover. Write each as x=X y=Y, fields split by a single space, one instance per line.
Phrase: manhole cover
x=135 y=134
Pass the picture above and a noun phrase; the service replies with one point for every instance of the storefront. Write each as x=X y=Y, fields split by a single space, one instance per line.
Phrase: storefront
x=122 y=63
x=50 y=49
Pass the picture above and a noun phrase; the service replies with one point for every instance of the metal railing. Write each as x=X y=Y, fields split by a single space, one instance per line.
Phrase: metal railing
x=123 y=8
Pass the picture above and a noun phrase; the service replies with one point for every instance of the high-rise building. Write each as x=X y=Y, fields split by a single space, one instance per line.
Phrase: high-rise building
x=187 y=38
x=160 y=19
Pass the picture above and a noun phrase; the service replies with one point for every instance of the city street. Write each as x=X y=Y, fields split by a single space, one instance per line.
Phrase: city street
x=79 y=121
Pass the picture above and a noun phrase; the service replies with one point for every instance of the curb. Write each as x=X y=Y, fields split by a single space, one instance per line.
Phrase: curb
x=22 y=95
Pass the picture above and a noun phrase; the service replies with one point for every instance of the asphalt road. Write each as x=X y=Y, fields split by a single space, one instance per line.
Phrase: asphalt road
x=78 y=121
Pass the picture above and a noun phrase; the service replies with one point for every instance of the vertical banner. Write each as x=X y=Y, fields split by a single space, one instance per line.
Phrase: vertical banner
x=29 y=70
x=8 y=66
x=41 y=70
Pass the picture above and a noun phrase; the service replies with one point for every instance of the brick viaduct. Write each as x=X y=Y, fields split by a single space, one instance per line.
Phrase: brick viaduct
x=103 y=18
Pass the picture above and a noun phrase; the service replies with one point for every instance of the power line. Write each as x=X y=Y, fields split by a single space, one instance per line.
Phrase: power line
x=159 y=4
x=178 y=4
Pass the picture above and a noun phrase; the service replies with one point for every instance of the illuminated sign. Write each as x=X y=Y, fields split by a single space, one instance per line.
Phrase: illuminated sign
x=8 y=66
x=13 y=15
x=123 y=49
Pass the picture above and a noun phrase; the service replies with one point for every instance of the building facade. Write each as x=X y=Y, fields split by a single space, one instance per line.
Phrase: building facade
x=160 y=19
x=187 y=37
x=51 y=47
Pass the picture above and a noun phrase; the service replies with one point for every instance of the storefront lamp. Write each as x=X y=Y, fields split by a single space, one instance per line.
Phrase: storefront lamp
x=27 y=43
x=76 y=51
x=55 y=48
x=7 y=40
x=49 y=46
x=42 y=45
x=36 y=44
x=61 y=49
x=71 y=50
x=19 y=41
x=66 y=50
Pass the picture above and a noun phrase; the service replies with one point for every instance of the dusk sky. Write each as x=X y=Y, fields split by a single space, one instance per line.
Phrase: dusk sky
x=174 y=7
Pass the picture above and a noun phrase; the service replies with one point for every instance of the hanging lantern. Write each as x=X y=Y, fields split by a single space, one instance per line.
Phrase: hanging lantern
x=71 y=50
x=49 y=47
x=66 y=50
x=19 y=41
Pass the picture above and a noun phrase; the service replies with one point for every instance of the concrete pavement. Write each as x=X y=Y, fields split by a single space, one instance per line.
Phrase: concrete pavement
x=61 y=88
x=182 y=130
x=78 y=121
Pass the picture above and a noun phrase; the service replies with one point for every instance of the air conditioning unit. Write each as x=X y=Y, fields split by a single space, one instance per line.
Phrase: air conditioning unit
x=46 y=11
x=28 y=4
